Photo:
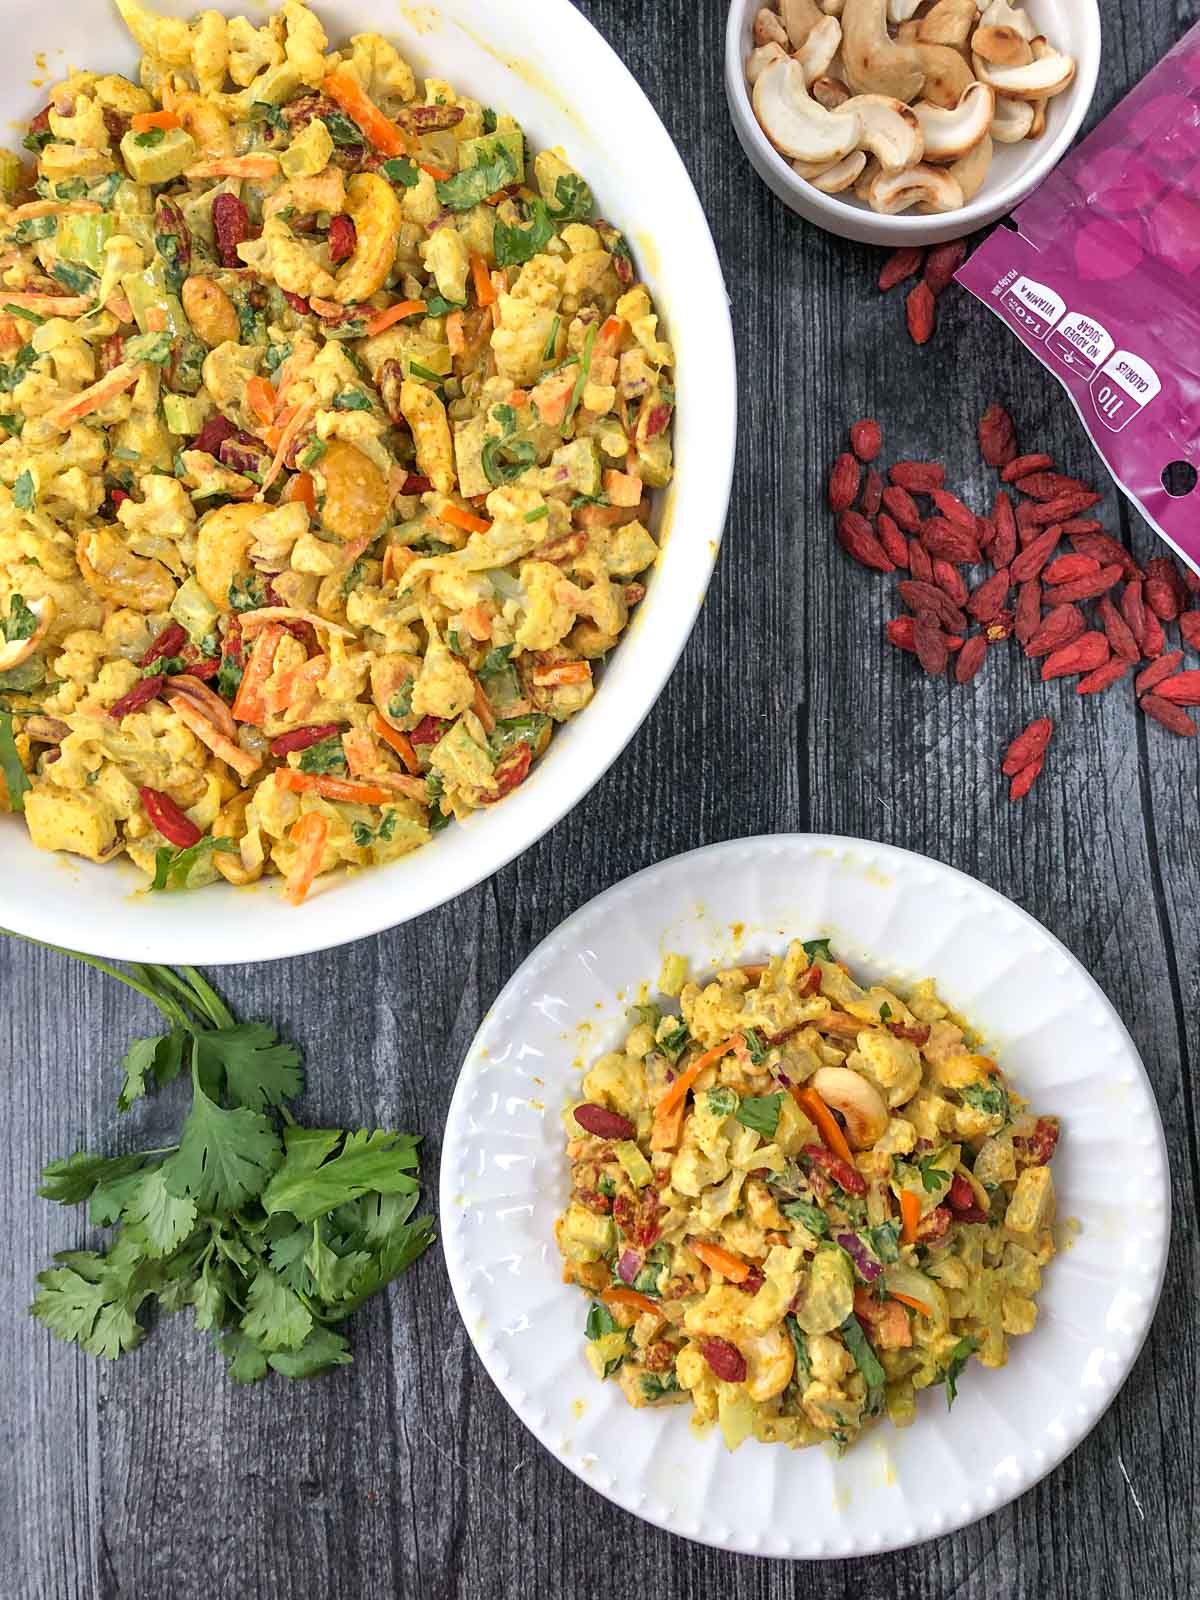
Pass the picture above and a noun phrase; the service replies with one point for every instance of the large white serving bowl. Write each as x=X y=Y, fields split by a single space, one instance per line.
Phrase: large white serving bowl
x=1071 y=25
x=546 y=65
x=896 y=917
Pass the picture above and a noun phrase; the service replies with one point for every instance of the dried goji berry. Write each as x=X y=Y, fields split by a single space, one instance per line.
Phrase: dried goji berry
x=942 y=262
x=901 y=264
x=892 y=540
x=900 y=633
x=1189 y=627
x=903 y=507
x=1133 y=609
x=1029 y=745
x=857 y=539
x=950 y=580
x=866 y=439
x=1117 y=629
x=843 y=482
x=1034 y=557
x=726 y=1360
x=970 y=658
x=1161 y=593
x=1183 y=689
x=141 y=694
x=1059 y=627
x=1064 y=506
x=1157 y=671
x=1025 y=780
x=1004 y=546
x=930 y=646
x=985 y=533
x=990 y=596
x=1101 y=547
x=1170 y=715
x=1022 y=466
x=946 y=539
x=343 y=237
x=955 y=511
x=1085 y=654
x=919 y=309
x=1027 y=528
x=1065 y=569
x=919 y=596
x=997 y=436
x=872 y=493
x=1029 y=611
x=1153 y=638
x=1085 y=588
x=1049 y=485
x=1109 y=673
x=602 y=1122
x=918 y=477
x=919 y=563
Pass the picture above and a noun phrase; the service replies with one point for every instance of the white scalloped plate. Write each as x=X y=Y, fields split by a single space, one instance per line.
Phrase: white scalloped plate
x=893 y=915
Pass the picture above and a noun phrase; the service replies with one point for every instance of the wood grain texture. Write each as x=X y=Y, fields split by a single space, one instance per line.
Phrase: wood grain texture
x=406 y=1475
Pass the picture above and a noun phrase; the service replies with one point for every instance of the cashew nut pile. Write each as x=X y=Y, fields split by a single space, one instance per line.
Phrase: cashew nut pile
x=900 y=101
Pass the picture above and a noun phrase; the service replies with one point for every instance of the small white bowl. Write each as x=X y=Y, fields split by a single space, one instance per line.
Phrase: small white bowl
x=1071 y=25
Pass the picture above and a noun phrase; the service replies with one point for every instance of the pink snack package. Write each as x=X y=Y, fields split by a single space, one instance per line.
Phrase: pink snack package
x=1102 y=281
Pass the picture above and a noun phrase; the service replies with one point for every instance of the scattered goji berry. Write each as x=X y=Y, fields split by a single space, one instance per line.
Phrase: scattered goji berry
x=1025 y=780
x=1183 y=689
x=1049 y=485
x=1085 y=588
x=1022 y=466
x=1088 y=541
x=1029 y=610
x=1113 y=669
x=903 y=507
x=955 y=511
x=926 y=597
x=1064 y=506
x=1169 y=715
x=918 y=477
x=942 y=262
x=930 y=646
x=1117 y=629
x=892 y=540
x=1029 y=745
x=872 y=493
x=1059 y=627
x=919 y=563
x=857 y=539
x=1189 y=627
x=919 y=308
x=990 y=596
x=1004 y=546
x=844 y=479
x=1065 y=569
x=997 y=436
x=900 y=633
x=1034 y=557
x=1153 y=639
x=1085 y=654
x=950 y=580
x=1161 y=593
x=946 y=539
x=866 y=439
x=1133 y=609
x=1154 y=674
x=901 y=264
x=970 y=658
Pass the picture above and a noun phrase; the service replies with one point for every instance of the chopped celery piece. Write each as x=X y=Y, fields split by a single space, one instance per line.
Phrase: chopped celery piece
x=185 y=413
x=82 y=238
x=10 y=172
x=147 y=292
x=194 y=611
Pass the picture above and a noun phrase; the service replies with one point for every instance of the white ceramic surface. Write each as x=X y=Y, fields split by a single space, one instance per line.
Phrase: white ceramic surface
x=1071 y=25
x=545 y=64
x=893 y=915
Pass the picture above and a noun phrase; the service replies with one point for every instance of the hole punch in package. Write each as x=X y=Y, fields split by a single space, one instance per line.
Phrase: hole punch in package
x=1101 y=280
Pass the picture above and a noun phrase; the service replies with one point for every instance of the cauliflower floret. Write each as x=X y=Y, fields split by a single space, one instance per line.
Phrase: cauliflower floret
x=380 y=68
x=279 y=255
x=521 y=337
x=721 y=1313
x=275 y=534
x=426 y=416
x=165 y=509
x=210 y=52
x=84 y=126
x=444 y=688
x=898 y=1138
x=636 y=310
x=252 y=49
x=1032 y=1204
x=1018 y=1315
x=167 y=39
x=893 y=1065
x=445 y=254
x=547 y=619
x=420 y=204
x=305 y=44
x=828 y=1357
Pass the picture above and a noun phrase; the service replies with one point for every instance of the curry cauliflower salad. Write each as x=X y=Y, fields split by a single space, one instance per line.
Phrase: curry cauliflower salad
x=328 y=419
x=797 y=1202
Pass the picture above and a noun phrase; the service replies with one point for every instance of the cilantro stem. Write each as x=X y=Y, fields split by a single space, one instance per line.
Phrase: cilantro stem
x=163 y=1002
x=210 y=999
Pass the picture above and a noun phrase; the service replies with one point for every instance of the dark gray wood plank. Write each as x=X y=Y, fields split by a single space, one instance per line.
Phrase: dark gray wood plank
x=406 y=1474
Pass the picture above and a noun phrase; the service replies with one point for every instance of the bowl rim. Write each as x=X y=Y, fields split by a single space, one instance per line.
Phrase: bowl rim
x=903 y=226
x=461 y=1140
x=87 y=923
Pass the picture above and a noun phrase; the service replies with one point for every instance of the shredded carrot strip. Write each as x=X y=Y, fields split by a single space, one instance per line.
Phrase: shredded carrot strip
x=346 y=92
x=827 y=1124
x=911 y=1300
x=616 y=1296
x=252 y=621
x=362 y=753
x=51 y=305
x=259 y=167
x=483 y=709
x=910 y=1212
x=143 y=121
x=289 y=432
x=284 y=694
x=260 y=397
x=397 y=313
x=608 y=340
x=458 y=518
x=367 y=794
x=484 y=291
x=455 y=336
x=668 y=1125
x=122 y=377
x=230 y=753
x=10 y=335
x=562 y=673
x=677 y=1091
x=310 y=833
x=400 y=743
x=438 y=174
x=722 y=1261
x=248 y=704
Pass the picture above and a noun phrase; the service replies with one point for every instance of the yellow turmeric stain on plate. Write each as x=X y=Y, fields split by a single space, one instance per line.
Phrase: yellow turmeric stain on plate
x=422 y=19
x=578 y=1407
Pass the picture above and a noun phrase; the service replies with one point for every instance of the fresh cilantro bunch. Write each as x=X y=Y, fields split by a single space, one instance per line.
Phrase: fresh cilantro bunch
x=271 y=1233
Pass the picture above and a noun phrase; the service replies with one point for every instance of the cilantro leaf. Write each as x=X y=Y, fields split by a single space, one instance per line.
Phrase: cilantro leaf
x=321 y=1352
x=813 y=1218
x=247 y=1363
x=225 y=1157
x=159 y=1058
x=402 y=171
x=757 y=1049
x=817 y=949
x=70 y=1181
x=989 y=1098
x=865 y=1360
x=327 y=755
x=800 y=1346
x=933 y=1176
x=378 y=1161
x=163 y=1219
x=276 y=1318
x=87 y=1302
x=173 y=868
x=473 y=185
x=256 y=1069
x=722 y=1102
x=760 y=1112
x=20 y=624
x=572 y=199
x=952 y=1371
x=16 y=779
x=513 y=246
